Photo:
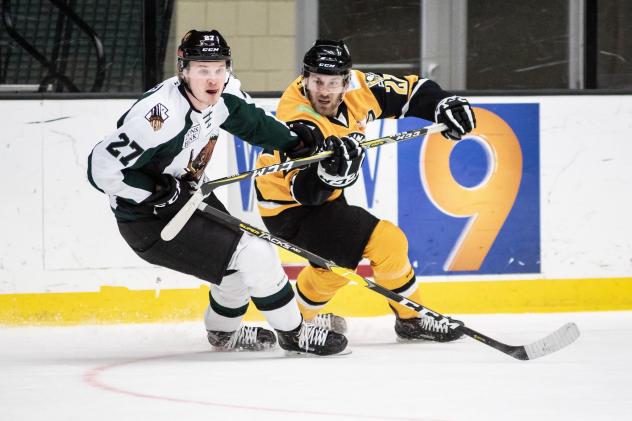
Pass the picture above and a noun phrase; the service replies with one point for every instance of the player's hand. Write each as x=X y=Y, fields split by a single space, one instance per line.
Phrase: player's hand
x=456 y=113
x=310 y=139
x=342 y=169
x=170 y=195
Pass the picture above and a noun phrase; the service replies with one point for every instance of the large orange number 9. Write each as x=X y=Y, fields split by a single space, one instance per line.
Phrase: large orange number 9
x=487 y=204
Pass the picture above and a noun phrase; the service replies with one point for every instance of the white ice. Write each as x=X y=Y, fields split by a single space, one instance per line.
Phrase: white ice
x=166 y=372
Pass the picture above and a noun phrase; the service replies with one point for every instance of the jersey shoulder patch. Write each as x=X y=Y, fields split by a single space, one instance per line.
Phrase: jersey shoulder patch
x=155 y=104
x=373 y=79
x=157 y=116
x=159 y=111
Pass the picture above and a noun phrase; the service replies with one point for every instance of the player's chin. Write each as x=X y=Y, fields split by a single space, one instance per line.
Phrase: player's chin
x=212 y=96
x=326 y=110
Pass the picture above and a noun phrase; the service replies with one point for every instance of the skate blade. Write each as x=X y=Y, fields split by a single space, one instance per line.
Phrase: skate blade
x=423 y=340
x=242 y=350
x=411 y=341
x=298 y=354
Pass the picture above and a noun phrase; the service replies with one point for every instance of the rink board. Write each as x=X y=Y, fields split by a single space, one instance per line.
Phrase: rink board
x=528 y=214
x=121 y=305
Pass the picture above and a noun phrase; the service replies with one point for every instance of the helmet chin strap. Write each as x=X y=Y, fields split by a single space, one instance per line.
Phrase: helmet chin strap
x=188 y=88
x=342 y=98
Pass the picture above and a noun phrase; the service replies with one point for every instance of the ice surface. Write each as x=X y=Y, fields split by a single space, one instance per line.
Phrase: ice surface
x=166 y=372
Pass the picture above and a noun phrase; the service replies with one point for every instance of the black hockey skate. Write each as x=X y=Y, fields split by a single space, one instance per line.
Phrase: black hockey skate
x=246 y=338
x=427 y=328
x=331 y=322
x=310 y=339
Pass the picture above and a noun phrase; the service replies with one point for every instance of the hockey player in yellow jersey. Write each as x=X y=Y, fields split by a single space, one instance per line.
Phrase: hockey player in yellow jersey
x=307 y=206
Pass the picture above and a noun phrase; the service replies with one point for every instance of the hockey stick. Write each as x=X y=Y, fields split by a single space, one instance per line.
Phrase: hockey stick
x=557 y=340
x=178 y=221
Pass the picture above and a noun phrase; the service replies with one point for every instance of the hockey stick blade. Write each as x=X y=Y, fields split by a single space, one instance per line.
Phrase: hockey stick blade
x=178 y=221
x=175 y=225
x=554 y=342
x=557 y=340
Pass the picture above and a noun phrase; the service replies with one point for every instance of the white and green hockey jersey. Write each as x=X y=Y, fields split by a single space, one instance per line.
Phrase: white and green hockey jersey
x=162 y=133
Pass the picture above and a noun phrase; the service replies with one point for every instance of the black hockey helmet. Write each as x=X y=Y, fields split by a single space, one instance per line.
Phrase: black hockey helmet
x=328 y=57
x=203 y=46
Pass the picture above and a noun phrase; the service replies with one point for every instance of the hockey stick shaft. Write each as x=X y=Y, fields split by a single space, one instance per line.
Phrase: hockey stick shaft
x=209 y=186
x=557 y=340
x=178 y=221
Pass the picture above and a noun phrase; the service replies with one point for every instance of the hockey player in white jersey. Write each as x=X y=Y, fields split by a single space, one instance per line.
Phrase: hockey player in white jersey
x=156 y=158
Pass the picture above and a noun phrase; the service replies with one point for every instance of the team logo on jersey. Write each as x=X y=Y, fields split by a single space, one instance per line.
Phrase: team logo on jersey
x=359 y=137
x=191 y=136
x=157 y=116
x=372 y=79
x=197 y=164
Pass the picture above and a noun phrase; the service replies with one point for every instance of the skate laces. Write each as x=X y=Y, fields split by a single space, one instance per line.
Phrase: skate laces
x=433 y=325
x=245 y=335
x=311 y=335
x=322 y=321
x=330 y=322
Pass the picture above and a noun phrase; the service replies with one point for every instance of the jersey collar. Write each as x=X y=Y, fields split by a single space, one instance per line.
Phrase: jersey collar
x=342 y=117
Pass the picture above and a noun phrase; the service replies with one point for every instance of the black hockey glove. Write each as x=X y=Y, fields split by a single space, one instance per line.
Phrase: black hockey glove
x=342 y=169
x=169 y=196
x=456 y=113
x=309 y=141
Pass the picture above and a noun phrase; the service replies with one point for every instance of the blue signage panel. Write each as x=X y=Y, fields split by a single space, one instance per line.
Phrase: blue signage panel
x=468 y=207
x=473 y=207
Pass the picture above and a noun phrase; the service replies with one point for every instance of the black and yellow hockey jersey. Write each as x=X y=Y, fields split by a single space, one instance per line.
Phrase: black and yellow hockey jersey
x=370 y=96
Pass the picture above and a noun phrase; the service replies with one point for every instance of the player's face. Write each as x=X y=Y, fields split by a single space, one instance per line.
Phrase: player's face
x=206 y=80
x=325 y=92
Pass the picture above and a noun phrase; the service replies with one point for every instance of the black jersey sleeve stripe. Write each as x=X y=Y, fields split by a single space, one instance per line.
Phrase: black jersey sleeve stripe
x=424 y=100
x=391 y=101
x=307 y=188
x=261 y=198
